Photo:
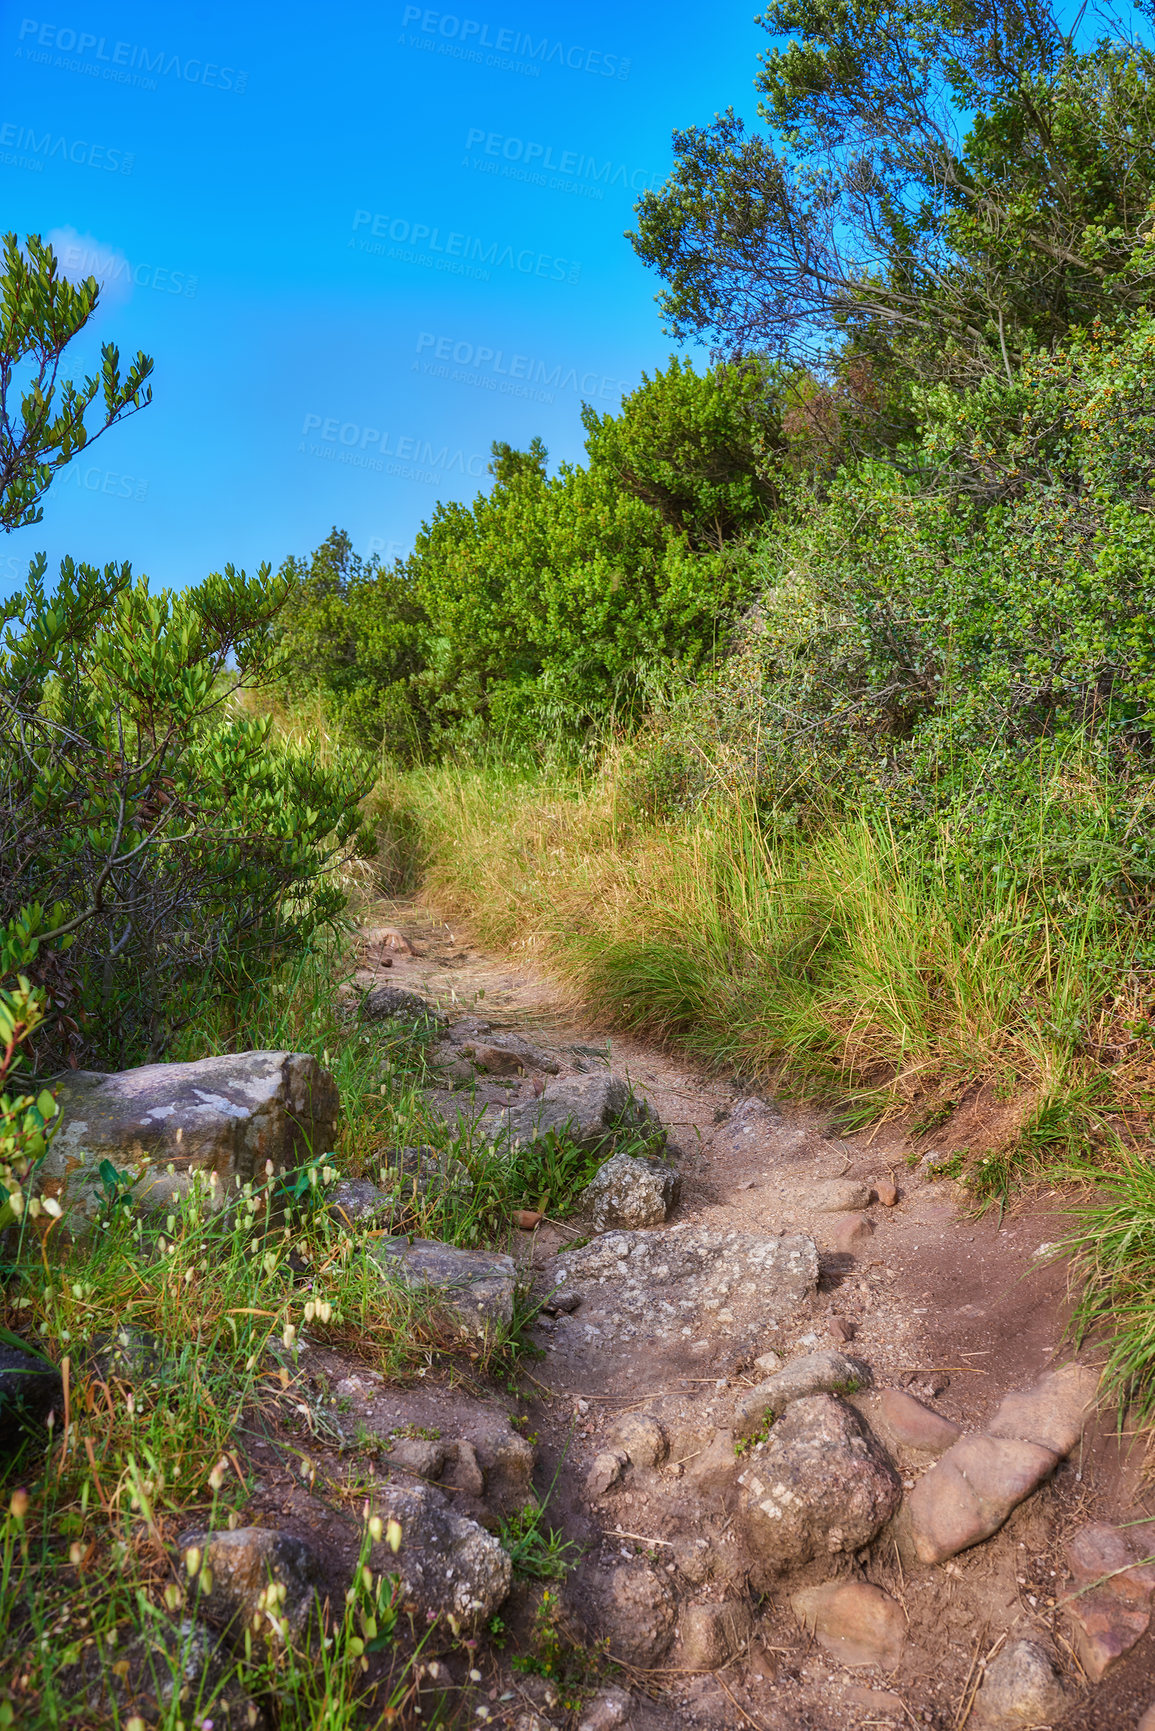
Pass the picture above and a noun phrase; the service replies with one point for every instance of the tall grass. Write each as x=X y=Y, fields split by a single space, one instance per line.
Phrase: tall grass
x=836 y=959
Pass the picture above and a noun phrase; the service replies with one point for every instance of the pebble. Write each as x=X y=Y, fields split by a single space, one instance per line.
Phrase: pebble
x=856 y=1623
x=1022 y=1686
x=839 y=1195
x=886 y=1191
x=851 y=1231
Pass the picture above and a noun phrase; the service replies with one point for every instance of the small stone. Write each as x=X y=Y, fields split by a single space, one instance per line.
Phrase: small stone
x=531 y=1722
x=495 y=1061
x=1022 y=1686
x=768 y=1363
x=641 y=1439
x=886 y=1191
x=386 y=938
x=840 y=1329
x=605 y=1472
x=608 y=1709
x=417 y=1455
x=562 y=1302
x=913 y=1425
x=851 y=1231
x=506 y=1459
x=448 y=1566
x=463 y=1469
x=526 y=1219
x=243 y=1565
x=839 y=1196
x=815 y=1373
x=630 y=1193
x=854 y=1622
x=822 y=1486
x=711 y=1634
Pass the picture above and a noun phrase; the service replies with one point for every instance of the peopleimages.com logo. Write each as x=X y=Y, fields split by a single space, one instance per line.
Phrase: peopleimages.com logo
x=469 y=36
x=450 y=250
x=113 y=270
x=54 y=147
x=492 y=369
x=122 y=62
x=414 y=458
x=529 y=160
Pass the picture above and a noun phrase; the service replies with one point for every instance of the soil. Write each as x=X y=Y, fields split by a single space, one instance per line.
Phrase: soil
x=958 y=1307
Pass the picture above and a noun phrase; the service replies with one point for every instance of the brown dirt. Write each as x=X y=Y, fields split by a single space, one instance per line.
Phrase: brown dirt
x=959 y=1307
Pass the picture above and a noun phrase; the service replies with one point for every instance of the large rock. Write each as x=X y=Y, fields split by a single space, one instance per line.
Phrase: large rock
x=223 y=1117
x=1109 y=1599
x=666 y=1284
x=30 y=1387
x=448 y=1566
x=592 y=1111
x=820 y=1485
x=262 y=1580
x=393 y=1003
x=473 y=1289
x=1022 y=1686
x=969 y=1493
x=815 y=1373
x=858 y=1624
x=628 y=1192
x=635 y=1611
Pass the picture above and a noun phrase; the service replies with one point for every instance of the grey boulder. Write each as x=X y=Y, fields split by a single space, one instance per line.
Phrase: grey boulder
x=223 y=1117
x=820 y=1486
x=258 y=1578
x=448 y=1566
x=30 y=1387
x=388 y=1003
x=472 y=1290
x=592 y=1111
x=628 y=1192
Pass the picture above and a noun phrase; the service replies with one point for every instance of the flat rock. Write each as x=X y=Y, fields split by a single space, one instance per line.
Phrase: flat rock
x=1113 y=1587
x=838 y=1196
x=665 y=1284
x=710 y=1634
x=447 y=1565
x=388 y=1003
x=593 y=1111
x=906 y=1421
x=635 y=1610
x=815 y=1373
x=968 y=1494
x=1053 y=1413
x=356 y=1202
x=1022 y=1686
x=222 y=1117
x=30 y=1388
x=424 y=1456
x=856 y=1623
x=628 y=1192
x=474 y=1288
x=244 y=1565
x=819 y=1486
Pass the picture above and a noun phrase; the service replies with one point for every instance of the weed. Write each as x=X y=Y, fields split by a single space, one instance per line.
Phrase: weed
x=538 y=1551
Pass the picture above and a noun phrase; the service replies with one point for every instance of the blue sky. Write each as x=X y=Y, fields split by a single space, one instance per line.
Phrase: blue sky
x=361 y=243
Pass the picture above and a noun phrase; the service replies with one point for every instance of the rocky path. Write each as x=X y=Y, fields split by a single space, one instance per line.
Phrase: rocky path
x=818 y=1433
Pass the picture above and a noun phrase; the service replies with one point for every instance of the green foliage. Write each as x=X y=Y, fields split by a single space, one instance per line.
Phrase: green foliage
x=552 y=603
x=141 y=803
x=865 y=212
x=40 y=313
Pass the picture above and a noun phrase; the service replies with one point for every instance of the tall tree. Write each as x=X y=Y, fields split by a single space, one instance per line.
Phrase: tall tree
x=945 y=183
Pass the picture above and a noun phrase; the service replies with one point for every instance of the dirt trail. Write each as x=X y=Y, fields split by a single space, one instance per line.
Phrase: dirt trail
x=957 y=1309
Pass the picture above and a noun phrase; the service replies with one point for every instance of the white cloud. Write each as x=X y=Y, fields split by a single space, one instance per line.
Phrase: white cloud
x=82 y=255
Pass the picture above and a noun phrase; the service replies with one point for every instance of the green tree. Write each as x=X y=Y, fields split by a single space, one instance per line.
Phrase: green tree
x=943 y=187
x=704 y=450
x=40 y=314
x=354 y=632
